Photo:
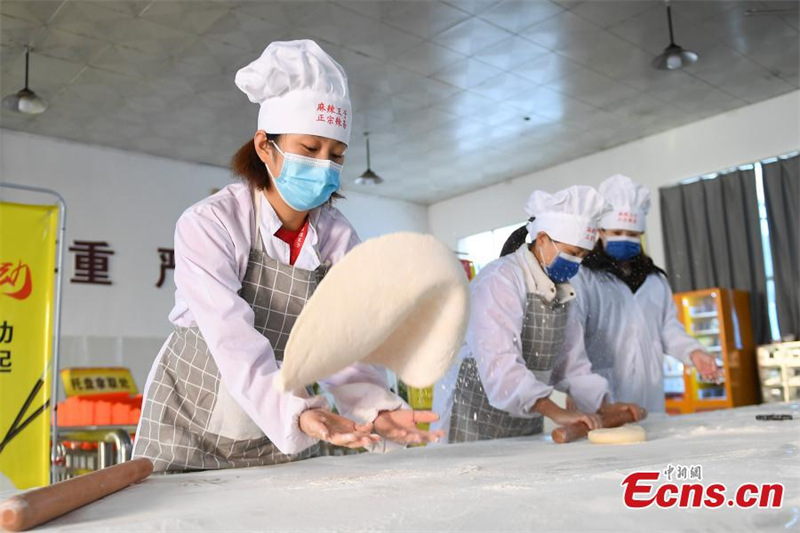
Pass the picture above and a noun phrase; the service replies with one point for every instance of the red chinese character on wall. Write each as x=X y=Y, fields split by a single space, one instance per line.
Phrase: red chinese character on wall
x=320 y=118
x=91 y=262
x=330 y=119
x=320 y=107
x=338 y=121
x=331 y=108
x=344 y=124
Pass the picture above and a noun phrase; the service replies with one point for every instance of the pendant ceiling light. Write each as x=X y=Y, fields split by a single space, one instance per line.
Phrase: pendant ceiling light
x=368 y=177
x=25 y=100
x=674 y=56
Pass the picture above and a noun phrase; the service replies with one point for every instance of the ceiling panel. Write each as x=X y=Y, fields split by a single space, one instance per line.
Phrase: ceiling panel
x=456 y=95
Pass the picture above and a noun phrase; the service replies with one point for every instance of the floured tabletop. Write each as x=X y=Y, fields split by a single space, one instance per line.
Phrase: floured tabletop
x=510 y=485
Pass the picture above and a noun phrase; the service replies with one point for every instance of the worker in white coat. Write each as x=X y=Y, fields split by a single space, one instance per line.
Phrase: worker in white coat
x=501 y=383
x=246 y=261
x=624 y=319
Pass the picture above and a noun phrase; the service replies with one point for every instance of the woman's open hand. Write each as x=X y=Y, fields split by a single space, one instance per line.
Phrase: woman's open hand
x=401 y=426
x=338 y=430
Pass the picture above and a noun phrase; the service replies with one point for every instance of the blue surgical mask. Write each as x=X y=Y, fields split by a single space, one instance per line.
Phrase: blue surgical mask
x=563 y=267
x=306 y=182
x=622 y=248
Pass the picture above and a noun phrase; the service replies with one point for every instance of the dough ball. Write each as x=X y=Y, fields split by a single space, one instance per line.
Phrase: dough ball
x=620 y=435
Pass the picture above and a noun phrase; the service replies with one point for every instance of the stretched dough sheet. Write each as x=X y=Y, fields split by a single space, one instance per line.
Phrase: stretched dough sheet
x=400 y=301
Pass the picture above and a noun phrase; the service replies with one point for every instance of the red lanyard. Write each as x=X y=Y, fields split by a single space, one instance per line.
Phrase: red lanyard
x=297 y=245
x=294 y=239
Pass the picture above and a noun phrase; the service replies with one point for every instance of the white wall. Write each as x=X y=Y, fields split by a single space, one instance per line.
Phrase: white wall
x=734 y=138
x=373 y=216
x=133 y=201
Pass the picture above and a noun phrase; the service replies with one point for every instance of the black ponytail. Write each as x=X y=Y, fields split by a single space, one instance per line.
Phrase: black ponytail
x=515 y=240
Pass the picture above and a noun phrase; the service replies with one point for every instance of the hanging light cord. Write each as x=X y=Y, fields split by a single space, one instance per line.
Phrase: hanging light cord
x=669 y=21
x=27 y=64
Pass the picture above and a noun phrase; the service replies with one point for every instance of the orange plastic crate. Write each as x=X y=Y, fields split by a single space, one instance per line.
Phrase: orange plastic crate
x=118 y=409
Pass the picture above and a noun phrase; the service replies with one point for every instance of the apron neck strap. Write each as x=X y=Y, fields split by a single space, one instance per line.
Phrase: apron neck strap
x=257 y=243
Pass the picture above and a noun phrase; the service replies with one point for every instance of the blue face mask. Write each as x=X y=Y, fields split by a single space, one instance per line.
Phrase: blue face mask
x=563 y=267
x=305 y=182
x=623 y=248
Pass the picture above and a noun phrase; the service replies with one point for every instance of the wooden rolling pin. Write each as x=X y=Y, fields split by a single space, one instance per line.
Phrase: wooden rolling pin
x=579 y=430
x=35 y=507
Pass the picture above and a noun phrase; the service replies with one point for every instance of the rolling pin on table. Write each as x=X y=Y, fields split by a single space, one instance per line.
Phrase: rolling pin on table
x=38 y=506
x=611 y=419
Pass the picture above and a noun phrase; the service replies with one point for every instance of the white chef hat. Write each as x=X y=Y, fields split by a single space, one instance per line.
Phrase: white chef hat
x=569 y=216
x=630 y=203
x=300 y=88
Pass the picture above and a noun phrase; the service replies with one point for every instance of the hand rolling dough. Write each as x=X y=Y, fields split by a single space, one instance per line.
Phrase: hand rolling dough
x=621 y=435
x=400 y=301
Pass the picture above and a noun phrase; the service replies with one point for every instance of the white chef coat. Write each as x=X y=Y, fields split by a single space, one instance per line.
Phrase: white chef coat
x=212 y=246
x=494 y=340
x=626 y=335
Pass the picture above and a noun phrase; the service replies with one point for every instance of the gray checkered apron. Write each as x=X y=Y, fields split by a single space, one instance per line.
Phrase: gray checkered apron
x=473 y=418
x=189 y=419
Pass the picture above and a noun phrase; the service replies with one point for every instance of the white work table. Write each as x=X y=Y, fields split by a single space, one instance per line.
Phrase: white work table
x=522 y=484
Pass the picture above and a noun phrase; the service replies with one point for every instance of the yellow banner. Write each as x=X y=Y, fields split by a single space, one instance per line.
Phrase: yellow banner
x=27 y=268
x=92 y=381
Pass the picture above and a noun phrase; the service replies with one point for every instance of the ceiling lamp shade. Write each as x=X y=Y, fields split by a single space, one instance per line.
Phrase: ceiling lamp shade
x=25 y=100
x=674 y=56
x=368 y=177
